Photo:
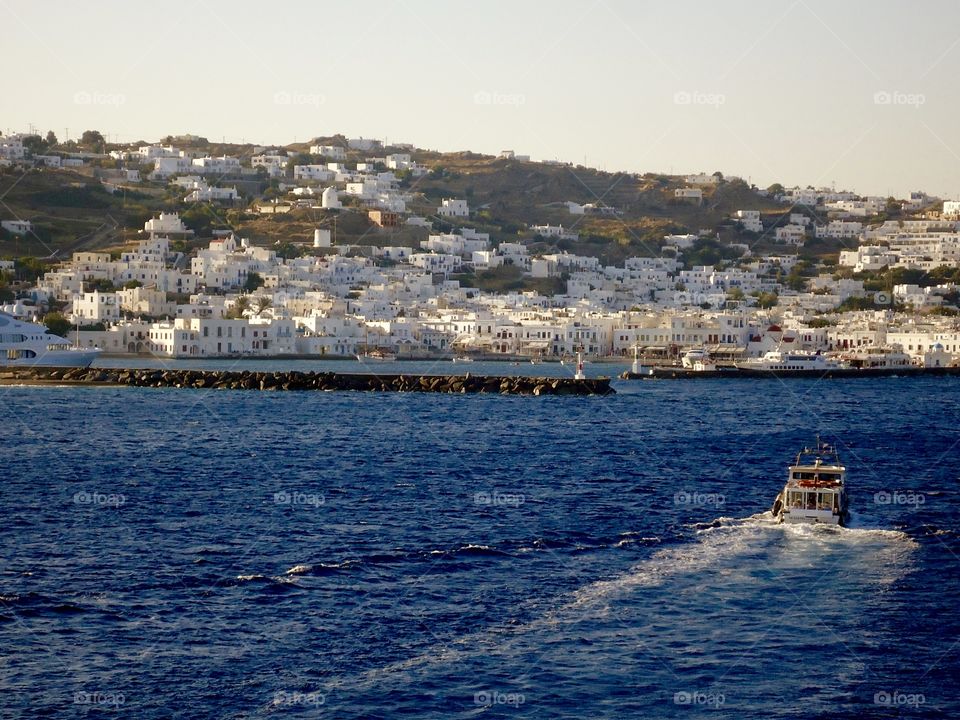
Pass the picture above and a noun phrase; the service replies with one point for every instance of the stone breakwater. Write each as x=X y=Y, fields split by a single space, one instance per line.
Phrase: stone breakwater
x=294 y=380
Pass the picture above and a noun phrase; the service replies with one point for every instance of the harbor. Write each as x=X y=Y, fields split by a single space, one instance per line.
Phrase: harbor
x=681 y=373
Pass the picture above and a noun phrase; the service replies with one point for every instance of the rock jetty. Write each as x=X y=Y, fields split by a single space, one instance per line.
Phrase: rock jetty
x=295 y=380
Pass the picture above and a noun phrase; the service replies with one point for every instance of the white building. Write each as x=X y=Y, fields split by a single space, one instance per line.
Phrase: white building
x=839 y=229
x=364 y=144
x=96 y=307
x=750 y=220
x=17 y=227
x=166 y=224
x=11 y=147
x=951 y=210
x=220 y=166
x=452 y=207
x=320 y=173
x=693 y=194
x=555 y=231
x=201 y=192
x=791 y=234
x=333 y=152
x=701 y=179
x=273 y=164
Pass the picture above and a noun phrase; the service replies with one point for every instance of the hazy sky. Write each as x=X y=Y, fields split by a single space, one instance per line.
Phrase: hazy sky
x=860 y=94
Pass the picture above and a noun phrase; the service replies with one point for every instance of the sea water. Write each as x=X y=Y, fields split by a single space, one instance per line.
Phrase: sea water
x=196 y=553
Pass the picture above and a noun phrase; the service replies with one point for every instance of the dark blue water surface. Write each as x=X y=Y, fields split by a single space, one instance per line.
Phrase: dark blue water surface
x=194 y=554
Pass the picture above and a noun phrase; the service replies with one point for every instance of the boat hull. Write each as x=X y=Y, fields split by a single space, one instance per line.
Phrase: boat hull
x=71 y=358
x=811 y=517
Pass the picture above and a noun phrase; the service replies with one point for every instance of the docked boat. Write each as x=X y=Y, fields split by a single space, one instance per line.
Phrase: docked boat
x=780 y=362
x=816 y=489
x=463 y=359
x=878 y=357
x=698 y=360
x=27 y=344
x=377 y=355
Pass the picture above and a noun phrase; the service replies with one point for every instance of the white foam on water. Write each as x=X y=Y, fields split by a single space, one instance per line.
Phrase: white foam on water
x=726 y=546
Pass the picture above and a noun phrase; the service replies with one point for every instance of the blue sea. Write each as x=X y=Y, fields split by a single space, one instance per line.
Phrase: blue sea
x=174 y=553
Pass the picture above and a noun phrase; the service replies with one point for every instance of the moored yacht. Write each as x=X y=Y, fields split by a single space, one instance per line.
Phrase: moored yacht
x=698 y=360
x=27 y=344
x=816 y=489
x=377 y=355
x=875 y=357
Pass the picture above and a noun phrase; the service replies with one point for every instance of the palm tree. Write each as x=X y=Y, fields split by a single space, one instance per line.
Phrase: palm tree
x=263 y=302
x=240 y=306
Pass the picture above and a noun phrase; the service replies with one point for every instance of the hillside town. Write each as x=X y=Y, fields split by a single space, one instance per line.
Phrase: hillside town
x=172 y=294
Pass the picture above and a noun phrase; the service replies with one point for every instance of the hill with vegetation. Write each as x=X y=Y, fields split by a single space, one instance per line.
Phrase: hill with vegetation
x=73 y=210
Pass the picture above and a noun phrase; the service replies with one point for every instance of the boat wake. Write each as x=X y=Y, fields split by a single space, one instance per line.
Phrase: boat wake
x=714 y=555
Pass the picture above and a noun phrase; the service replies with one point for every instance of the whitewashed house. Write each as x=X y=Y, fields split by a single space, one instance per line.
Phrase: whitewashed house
x=452 y=207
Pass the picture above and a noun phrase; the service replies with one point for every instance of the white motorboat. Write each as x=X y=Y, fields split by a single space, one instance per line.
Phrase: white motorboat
x=698 y=360
x=816 y=489
x=27 y=344
x=463 y=359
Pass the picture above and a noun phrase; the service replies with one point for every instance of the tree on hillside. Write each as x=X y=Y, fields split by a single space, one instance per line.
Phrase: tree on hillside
x=56 y=324
x=34 y=144
x=29 y=268
x=92 y=139
x=252 y=282
x=775 y=189
x=6 y=294
x=51 y=138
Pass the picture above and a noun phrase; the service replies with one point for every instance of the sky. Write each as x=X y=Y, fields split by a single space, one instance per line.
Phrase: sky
x=857 y=95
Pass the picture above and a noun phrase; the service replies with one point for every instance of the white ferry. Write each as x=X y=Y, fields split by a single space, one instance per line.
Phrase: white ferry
x=816 y=489
x=27 y=344
x=778 y=361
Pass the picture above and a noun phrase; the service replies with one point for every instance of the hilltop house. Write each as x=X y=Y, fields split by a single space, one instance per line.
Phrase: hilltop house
x=451 y=207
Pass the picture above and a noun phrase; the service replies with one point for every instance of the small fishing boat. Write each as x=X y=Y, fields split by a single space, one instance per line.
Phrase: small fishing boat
x=816 y=488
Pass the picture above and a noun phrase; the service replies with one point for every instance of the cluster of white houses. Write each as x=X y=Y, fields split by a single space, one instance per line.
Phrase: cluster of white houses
x=339 y=302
